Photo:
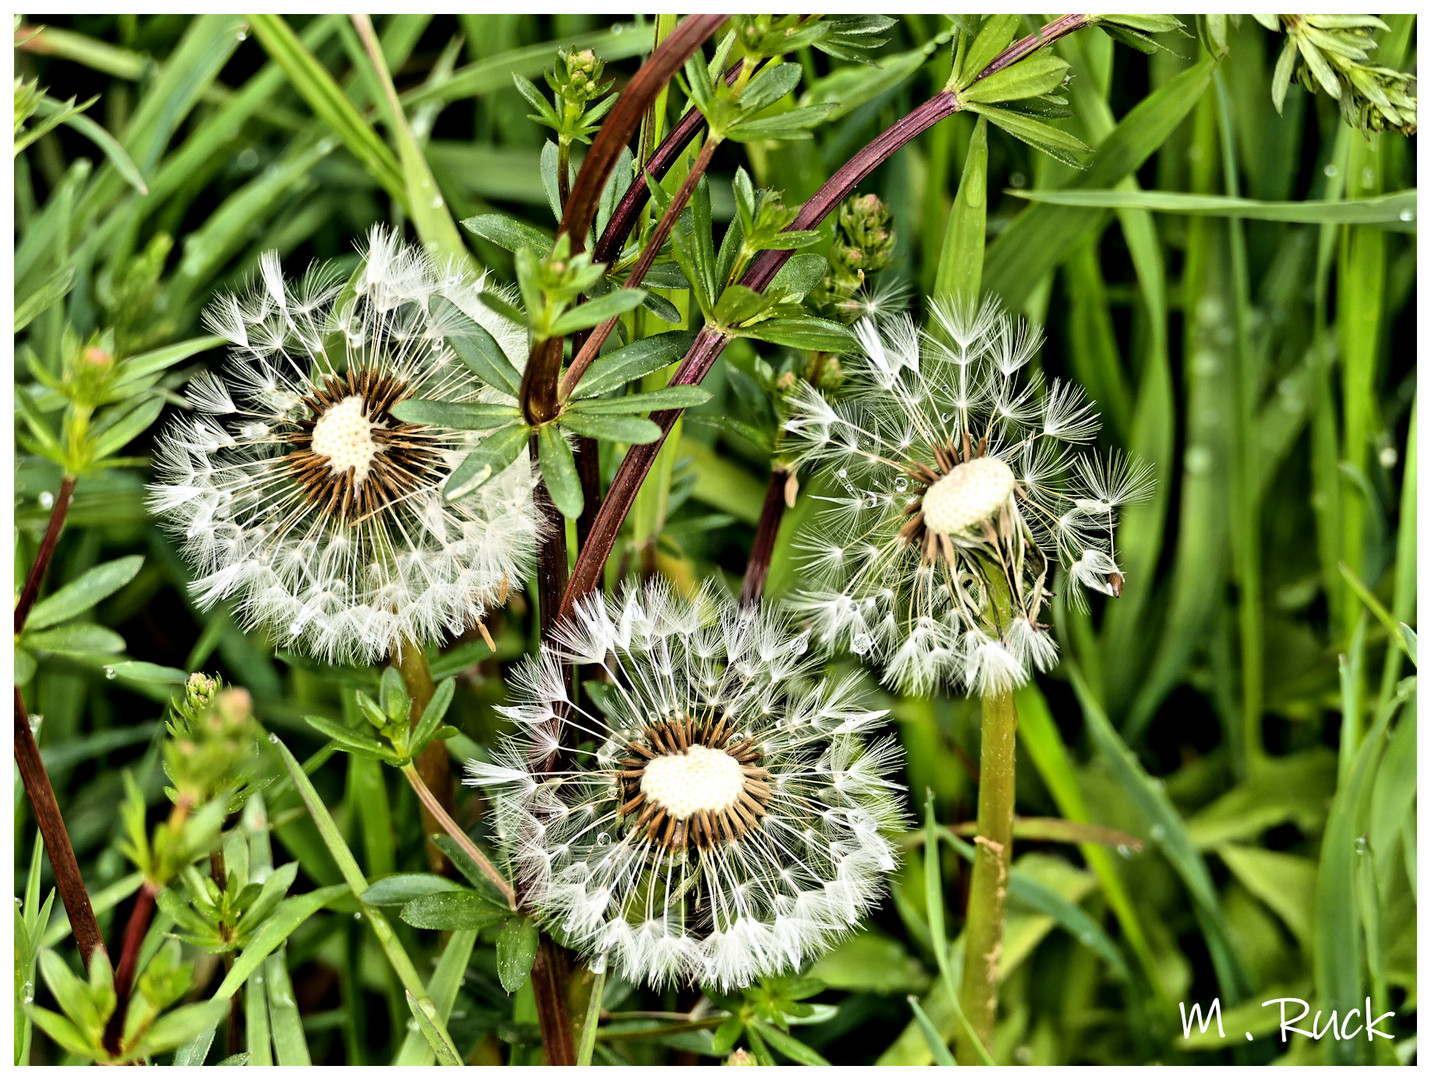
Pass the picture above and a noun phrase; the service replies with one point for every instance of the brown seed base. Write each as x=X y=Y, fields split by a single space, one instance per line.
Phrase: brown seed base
x=704 y=829
x=407 y=459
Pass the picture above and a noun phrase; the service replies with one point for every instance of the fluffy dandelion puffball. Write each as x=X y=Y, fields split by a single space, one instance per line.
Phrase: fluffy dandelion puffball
x=292 y=487
x=958 y=486
x=713 y=814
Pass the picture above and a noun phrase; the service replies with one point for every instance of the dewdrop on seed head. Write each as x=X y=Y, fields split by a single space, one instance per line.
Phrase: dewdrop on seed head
x=982 y=493
x=713 y=815
x=295 y=488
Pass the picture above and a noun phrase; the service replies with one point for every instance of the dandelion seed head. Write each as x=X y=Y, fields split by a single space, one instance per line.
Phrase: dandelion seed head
x=692 y=829
x=297 y=492
x=983 y=492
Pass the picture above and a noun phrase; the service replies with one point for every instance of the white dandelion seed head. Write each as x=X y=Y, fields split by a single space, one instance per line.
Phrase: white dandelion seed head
x=956 y=487
x=714 y=814
x=297 y=493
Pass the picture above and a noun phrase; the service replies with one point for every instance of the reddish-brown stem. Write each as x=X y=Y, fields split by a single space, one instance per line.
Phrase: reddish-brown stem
x=710 y=342
x=539 y=380
x=757 y=569
x=140 y=916
x=68 y=879
x=454 y=830
x=630 y=205
x=663 y=228
x=588 y=468
x=550 y=972
x=1060 y=27
x=31 y=591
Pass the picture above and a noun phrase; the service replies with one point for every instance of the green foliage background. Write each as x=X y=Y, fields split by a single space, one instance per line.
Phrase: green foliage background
x=1239 y=713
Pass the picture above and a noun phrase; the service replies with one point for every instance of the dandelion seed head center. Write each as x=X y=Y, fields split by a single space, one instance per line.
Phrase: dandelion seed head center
x=344 y=435
x=699 y=779
x=970 y=493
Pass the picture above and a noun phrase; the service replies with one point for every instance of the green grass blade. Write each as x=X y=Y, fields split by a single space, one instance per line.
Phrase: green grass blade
x=328 y=101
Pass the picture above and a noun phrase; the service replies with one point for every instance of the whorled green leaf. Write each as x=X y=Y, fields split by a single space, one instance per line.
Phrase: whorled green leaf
x=493 y=454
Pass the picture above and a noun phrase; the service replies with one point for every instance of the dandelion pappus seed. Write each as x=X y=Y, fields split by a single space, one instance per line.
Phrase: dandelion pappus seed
x=294 y=489
x=721 y=818
x=980 y=494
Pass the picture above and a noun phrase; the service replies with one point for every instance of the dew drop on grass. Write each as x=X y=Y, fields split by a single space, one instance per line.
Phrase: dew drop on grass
x=46 y=500
x=1329 y=171
x=109 y=672
x=1407 y=215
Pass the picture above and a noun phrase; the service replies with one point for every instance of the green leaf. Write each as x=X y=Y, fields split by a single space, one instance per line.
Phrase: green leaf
x=476 y=348
x=961 y=259
x=84 y=592
x=625 y=429
x=1038 y=74
x=349 y=738
x=516 y=951
x=994 y=36
x=458 y=415
x=493 y=454
x=671 y=397
x=127 y=428
x=329 y=102
x=397 y=889
x=802 y=332
x=76 y=639
x=798 y=276
x=51 y=290
x=789 y=126
x=176 y=1028
x=593 y=312
x=462 y=910
x=434 y=1031
x=559 y=470
x=937 y=1048
x=791 y=1047
x=640 y=358
x=508 y=233
x=1388 y=211
x=1058 y=144
x=145 y=672
x=768 y=86
x=287 y=917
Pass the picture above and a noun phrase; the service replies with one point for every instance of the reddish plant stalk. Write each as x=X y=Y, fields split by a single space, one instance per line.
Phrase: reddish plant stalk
x=710 y=341
x=550 y=975
x=757 y=568
x=68 y=879
x=582 y=360
x=539 y=381
x=140 y=916
x=30 y=593
x=629 y=206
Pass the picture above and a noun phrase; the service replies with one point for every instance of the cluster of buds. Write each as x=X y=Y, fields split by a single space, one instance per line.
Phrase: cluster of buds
x=213 y=741
x=864 y=244
x=575 y=84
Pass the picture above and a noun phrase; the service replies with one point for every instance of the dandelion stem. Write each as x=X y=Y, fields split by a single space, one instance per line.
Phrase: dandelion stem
x=68 y=879
x=757 y=569
x=593 y=1019
x=433 y=764
x=989 y=890
x=451 y=828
